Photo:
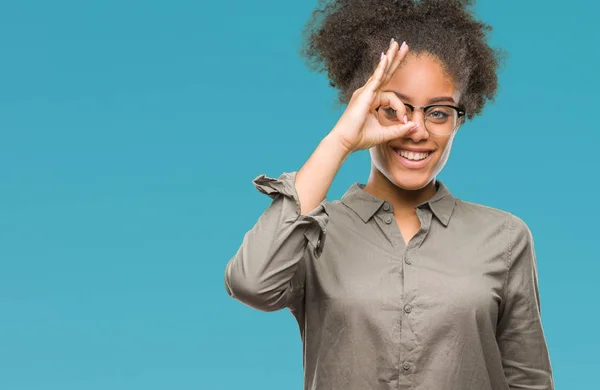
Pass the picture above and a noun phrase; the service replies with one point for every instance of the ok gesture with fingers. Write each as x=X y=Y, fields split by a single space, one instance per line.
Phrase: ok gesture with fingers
x=358 y=128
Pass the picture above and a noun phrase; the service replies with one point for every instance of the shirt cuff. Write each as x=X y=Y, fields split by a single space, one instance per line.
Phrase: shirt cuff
x=284 y=185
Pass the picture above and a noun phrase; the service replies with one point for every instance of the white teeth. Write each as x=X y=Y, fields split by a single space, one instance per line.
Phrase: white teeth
x=413 y=155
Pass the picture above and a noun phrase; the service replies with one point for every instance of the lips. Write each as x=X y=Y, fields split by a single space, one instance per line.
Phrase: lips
x=412 y=155
x=413 y=158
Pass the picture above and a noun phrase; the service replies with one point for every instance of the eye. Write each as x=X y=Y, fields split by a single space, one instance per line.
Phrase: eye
x=389 y=113
x=439 y=114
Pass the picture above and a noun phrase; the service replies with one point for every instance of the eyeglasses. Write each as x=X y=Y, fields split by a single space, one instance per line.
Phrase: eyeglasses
x=440 y=119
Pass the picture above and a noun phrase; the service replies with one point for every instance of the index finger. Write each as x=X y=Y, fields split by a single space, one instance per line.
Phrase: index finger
x=390 y=100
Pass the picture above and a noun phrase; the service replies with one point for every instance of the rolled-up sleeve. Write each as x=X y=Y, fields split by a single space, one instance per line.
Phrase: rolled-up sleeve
x=520 y=335
x=267 y=272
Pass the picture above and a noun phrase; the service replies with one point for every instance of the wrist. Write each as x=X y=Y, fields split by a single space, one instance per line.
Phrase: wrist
x=336 y=145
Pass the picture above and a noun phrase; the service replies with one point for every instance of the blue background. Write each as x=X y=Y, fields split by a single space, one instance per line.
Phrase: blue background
x=130 y=132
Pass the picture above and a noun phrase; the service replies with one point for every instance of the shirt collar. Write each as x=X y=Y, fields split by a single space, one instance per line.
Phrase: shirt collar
x=366 y=205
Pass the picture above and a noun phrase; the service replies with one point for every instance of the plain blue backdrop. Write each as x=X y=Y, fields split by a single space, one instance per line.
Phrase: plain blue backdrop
x=130 y=132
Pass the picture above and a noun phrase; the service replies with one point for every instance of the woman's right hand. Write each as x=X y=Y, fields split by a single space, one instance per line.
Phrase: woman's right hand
x=358 y=128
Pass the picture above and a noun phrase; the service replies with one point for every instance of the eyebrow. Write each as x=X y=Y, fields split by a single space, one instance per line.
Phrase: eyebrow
x=438 y=99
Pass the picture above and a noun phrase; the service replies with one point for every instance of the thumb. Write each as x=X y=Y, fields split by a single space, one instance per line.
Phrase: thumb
x=397 y=131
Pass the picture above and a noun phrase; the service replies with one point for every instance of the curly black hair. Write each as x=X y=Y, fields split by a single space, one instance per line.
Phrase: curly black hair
x=345 y=38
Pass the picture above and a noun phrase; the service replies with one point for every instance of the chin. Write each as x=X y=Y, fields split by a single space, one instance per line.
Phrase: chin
x=411 y=181
x=405 y=177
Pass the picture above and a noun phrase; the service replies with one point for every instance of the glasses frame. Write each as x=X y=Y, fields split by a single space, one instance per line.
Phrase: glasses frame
x=461 y=114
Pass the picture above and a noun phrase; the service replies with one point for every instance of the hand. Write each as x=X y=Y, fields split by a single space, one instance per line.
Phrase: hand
x=358 y=128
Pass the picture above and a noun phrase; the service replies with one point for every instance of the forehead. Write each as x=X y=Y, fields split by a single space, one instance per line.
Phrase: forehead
x=422 y=77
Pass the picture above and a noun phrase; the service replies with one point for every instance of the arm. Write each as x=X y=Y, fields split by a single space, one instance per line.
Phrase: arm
x=267 y=271
x=520 y=335
x=315 y=177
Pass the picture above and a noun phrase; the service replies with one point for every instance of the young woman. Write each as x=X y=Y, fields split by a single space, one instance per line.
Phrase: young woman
x=398 y=285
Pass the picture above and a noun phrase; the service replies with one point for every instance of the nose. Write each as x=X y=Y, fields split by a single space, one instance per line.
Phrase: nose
x=421 y=132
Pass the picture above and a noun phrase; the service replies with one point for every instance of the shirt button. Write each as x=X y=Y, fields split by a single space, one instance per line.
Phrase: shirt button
x=408 y=308
x=388 y=219
x=407 y=261
x=406 y=366
x=386 y=206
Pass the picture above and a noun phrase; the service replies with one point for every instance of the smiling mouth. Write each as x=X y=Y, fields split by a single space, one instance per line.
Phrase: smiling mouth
x=412 y=156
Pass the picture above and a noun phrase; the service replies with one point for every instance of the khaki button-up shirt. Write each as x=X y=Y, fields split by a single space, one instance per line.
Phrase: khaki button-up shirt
x=457 y=308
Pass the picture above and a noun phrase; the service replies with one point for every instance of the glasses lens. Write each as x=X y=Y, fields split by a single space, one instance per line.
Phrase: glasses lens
x=441 y=120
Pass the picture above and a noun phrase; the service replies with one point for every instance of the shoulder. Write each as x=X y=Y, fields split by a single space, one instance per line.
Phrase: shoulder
x=480 y=216
x=516 y=232
x=481 y=210
x=478 y=212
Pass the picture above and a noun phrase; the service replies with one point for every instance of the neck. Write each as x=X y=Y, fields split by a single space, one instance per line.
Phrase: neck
x=403 y=200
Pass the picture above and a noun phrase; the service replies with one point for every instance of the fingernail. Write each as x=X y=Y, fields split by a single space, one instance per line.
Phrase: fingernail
x=391 y=41
x=405 y=119
x=382 y=55
x=403 y=44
